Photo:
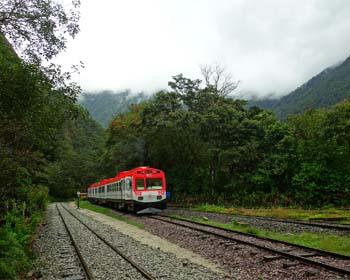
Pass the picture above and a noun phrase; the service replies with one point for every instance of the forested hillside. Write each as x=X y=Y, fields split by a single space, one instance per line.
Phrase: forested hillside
x=215 y=149
x=104 y=105
x=325 y=89
x=49 y=146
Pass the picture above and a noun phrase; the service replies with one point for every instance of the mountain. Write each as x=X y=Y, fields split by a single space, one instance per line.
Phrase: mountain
x=104 y=105
x=327 y=88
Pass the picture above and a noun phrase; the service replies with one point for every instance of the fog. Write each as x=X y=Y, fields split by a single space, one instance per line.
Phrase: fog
x=272 y=47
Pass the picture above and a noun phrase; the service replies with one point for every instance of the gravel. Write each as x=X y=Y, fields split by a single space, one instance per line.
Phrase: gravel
x=162 y=265
x=56 y=255
x=261 y=223
x=242 y=261
x=104 y=262
x=237 y=261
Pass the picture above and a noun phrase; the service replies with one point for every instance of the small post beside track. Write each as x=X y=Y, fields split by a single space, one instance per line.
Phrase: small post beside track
x=78 y=195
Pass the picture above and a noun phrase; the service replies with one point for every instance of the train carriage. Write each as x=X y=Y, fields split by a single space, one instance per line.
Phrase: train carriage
x=136 y=189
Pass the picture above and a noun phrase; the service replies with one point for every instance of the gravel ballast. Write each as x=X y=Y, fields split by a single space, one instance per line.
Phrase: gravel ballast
x=274 y=225
x=160 y=258
x=242 y=261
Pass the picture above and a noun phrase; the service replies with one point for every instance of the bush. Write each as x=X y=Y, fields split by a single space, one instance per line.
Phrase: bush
x=20 y=221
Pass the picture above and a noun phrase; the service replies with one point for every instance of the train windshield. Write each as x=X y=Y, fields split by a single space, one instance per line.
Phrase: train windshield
x=154 y=183
x=140 y=184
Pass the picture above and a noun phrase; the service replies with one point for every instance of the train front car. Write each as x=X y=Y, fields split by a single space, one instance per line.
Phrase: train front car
x=149 y=189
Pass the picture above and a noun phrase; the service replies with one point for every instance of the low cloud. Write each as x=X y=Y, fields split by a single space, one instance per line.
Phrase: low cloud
x=271 y=46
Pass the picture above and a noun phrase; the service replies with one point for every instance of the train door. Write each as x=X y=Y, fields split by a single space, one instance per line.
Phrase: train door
x=128 y=188
x=122 y=189
x=118 y=191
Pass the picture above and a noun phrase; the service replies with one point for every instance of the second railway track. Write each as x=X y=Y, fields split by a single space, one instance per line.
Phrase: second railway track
x=309 y=256
x=341 y=228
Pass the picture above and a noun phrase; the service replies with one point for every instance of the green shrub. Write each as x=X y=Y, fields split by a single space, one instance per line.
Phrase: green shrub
x=20 y=220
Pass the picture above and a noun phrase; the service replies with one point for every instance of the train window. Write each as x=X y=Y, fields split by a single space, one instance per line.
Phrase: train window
x=154 y=183
x=128 y=184
x=140 y=184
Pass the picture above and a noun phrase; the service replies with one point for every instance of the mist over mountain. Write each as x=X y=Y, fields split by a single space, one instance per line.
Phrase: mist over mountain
x=327 y=88
x=103 y=105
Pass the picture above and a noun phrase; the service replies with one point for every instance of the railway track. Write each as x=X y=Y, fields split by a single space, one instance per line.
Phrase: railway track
x=88 y=273
x=318 y=258
x=84 y=259
x=317 y=224
x=333 y=226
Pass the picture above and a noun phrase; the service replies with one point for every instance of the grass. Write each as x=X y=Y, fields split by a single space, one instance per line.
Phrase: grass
x=108 y=212
x=328 y=242
x=333 y=243
x=292 y=213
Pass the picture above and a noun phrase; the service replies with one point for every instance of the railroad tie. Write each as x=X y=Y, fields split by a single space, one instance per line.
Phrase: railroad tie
x=288 y=264
x=270 y=258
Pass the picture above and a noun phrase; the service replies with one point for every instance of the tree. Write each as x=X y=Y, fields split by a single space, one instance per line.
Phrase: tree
x=37 y=30
x=321 y=173
x=217 y=80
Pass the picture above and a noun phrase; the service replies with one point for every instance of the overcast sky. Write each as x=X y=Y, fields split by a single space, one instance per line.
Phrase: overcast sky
x=270 y=46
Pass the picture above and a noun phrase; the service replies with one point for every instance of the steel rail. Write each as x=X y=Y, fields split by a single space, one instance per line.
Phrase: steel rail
x=344 y=227
x=275 y=251
x=134 y=264
x=289 y=221
x=323 y=252
x=82 y=261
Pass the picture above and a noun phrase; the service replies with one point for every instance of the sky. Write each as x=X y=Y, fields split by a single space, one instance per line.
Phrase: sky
x=270 y=46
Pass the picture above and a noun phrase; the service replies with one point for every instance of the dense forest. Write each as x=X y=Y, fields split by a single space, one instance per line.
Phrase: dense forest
x=48 y=144
x=216 y=149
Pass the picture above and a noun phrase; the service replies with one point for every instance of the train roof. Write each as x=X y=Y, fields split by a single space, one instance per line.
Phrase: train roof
x=136 y=170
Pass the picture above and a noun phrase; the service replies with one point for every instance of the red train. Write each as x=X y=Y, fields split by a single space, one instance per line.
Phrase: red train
x=134 y=190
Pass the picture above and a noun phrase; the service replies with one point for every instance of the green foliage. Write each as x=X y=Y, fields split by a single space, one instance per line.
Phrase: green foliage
x=104 y=105
x=322 y=151
x=20 y=220
x=12 y=255
x=38 y=28
x=324 y=90
x=32 y=113
x=215 y=149
x=35 y=103
x=76 y=164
